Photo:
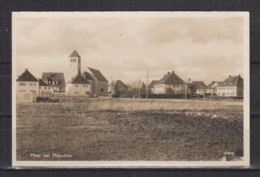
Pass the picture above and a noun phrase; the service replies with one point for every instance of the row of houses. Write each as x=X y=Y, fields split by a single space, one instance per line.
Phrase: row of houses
x=171 y=83
x=91 y=82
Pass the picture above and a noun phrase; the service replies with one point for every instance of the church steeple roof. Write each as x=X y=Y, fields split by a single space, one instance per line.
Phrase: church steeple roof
x=75 y=54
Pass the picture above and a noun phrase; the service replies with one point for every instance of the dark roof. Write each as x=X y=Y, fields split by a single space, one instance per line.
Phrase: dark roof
x=58 y=78
x=119 y=83
x=98 y=74
x=231 y=81
x=87 y=76
x=79 y=79
x=27 y=76
x=74 y=54
x=53 y=76
x=151 y=85
x=41 y=83
x=199 y=84
x=171 y=78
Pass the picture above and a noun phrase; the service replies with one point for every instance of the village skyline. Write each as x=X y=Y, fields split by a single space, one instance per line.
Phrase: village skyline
x=205 y=49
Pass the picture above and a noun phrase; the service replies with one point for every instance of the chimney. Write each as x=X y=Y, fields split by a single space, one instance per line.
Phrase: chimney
x=239 y=75
x=26 y=69
x=173 y=72
x=229 y=76
x=168 y=73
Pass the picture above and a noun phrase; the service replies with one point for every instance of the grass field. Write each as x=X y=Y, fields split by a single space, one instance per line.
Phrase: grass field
x=129 y=129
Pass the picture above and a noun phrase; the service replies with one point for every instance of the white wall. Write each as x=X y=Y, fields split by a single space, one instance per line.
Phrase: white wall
x=44 y=91
x=158 y=89
x=78 y=89
x=27 y=91
x=228 y=91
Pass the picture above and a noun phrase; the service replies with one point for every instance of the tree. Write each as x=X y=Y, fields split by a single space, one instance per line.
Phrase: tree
x=143 y=89
x=192 y=88
x=169 y=90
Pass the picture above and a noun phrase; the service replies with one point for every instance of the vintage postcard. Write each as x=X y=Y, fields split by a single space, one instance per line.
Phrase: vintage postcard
x=130 y=89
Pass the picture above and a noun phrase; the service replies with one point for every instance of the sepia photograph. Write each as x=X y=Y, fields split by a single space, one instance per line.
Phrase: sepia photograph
x=130 y=89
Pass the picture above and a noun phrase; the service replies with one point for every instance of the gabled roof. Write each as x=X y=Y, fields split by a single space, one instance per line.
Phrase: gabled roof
x=199 y=84
x=212 y=83
x=27 y=76
x=119 y=83
x=98 y=74
x=151 y=85
x=53 y=77
x=231 y=81
x=79 y=79
x=75 y=54
x=41 y=83
x=171 y=78
x=87 y=75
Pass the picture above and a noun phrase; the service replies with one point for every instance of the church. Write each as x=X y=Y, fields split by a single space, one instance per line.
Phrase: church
x=91 y=82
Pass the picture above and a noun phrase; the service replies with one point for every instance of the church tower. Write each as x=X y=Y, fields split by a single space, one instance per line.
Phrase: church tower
x=74 y=64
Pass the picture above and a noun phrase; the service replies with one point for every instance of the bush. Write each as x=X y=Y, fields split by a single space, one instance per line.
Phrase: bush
x=164 y=96
x=47 y=99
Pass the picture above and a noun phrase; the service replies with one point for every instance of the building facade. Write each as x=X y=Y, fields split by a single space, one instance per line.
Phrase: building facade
x=170 y=83
x=231 y=87
x=27 y=87
x=120 y=89
x=201 y=87
x=55 y=81
x=44 y=89
x=100 y=83
x=212 y=88
x=79 y=86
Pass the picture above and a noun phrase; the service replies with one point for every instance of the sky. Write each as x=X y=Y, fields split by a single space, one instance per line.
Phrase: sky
x=201 y=48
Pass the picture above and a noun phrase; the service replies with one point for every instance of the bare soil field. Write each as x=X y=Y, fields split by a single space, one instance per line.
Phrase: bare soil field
x=129 y=129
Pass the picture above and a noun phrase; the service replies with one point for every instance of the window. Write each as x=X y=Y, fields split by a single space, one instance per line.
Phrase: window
x=22 y=90
x=45 y=87
x=22 y=84
x=32 y=84
x=40 y=87
x=76 y=85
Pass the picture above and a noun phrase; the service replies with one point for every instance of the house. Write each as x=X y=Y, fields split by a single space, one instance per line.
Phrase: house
x=212 y=88
x=78 y=86
x=90 y=79
x=151 y=86
x=99 y=84
x=231 y=87
x=170 y=83
x=55 y=81
x=44 y=89
x=200 y=86
x=27 y=87
x=120 y=89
